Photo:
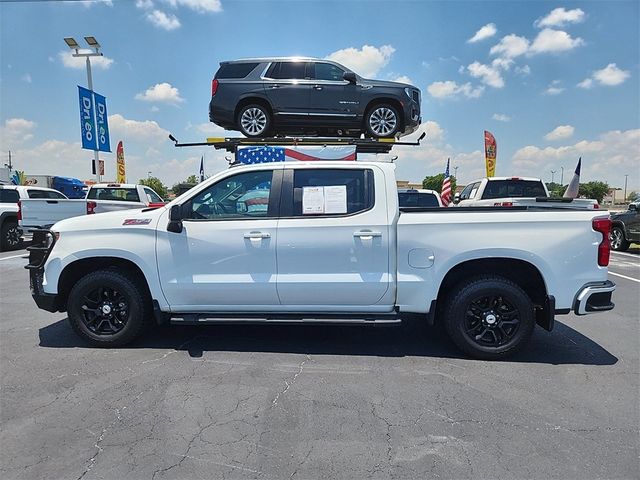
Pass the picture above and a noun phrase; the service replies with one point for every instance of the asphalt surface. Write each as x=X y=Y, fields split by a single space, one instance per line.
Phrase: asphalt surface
x=317 y=402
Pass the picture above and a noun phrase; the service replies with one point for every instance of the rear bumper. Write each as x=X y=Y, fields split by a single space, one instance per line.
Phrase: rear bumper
x=594 y=297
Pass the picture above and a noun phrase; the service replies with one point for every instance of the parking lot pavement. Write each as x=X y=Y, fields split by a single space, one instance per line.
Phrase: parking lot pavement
x=315 y=402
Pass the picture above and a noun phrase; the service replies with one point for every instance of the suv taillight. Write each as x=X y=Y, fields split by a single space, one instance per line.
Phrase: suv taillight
x=603 y=225
x=19 y=211
x=214 y=86
x=91 y=207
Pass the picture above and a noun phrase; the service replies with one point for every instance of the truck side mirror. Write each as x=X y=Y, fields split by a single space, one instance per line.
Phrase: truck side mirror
x=175 y=219
x=633 y=207
x=456 y=198
x=349 y=77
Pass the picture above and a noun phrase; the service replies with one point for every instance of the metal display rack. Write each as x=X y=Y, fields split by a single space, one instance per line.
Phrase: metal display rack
x=363 y=145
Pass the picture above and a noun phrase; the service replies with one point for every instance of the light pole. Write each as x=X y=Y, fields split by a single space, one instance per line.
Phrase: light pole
x=93 y=44
x=561 y=175
x=553 y=172
x=455 y=172
x=624 y=200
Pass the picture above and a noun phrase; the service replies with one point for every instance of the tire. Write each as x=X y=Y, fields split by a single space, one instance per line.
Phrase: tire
x=10 y=235
x=382 y=121
x=254 y=121
x=489 y=317
x=617 y=240
x=119 y=324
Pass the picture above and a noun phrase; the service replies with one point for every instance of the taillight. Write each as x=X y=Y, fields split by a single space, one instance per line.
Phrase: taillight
x=596 y=206
x=19 y=211
x=214 y=86
x=91 y=207
x=603 y=225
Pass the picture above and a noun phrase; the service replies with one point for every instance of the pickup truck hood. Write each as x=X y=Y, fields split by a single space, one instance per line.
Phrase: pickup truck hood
x=142 y=217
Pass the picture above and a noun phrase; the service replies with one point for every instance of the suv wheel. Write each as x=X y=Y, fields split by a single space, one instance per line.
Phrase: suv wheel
x=618 y=242
x=382 y=121
x=254 y=120
x=10 y=235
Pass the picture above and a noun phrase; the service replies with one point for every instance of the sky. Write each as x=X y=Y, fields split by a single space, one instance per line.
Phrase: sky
x=553 y=81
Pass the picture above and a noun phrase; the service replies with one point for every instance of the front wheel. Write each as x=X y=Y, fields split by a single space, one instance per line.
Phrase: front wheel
x=382 y=121
x=489 y=317
x=108 y=308
x=617 y=240
x=10 y=235
x=254 y=121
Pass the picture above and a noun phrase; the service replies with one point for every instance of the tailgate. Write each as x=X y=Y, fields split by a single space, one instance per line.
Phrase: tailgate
x=41 y=212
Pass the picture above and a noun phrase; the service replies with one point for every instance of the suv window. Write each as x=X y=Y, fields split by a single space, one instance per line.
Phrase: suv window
x=245 y=195
x=288 y=70
x=327 y=71
x=8 y=195
x=235 y=70
x=332 y=191
x=114 y=194
x=514 y=188
x=32 y=193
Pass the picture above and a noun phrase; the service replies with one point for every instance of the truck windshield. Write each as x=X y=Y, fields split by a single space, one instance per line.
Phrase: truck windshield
x=417 y=199
x=119 y=194
x=514 y=188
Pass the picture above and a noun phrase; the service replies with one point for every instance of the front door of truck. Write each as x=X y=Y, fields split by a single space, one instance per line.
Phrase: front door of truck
x=225 y=256
x=333 y=240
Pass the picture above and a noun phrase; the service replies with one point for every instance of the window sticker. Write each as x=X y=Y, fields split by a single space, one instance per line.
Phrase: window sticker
x=335 y=199
x=312 y=200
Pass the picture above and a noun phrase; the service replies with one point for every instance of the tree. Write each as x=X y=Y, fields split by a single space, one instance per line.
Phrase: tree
x=595 y=190
x=632 y=196
x=555 y=189
x=182 y=186
x=435 y=183
x=191 y=179
x=155 y=184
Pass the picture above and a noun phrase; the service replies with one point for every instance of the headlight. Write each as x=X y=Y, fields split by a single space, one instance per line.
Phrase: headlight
x=407 y=90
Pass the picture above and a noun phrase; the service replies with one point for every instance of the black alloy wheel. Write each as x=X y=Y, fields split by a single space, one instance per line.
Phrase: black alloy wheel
x=491 y=321
x=11 y=235
x=105 y=311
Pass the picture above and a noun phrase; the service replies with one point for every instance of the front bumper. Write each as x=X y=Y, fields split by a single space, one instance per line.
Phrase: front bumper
x=594 y=297
x=43 y=242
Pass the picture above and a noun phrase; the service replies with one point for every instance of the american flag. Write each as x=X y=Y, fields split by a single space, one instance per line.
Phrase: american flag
x=251 y=155
x=445 y=193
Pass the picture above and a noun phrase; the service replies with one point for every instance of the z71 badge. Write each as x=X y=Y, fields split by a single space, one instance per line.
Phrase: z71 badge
x=136 y=221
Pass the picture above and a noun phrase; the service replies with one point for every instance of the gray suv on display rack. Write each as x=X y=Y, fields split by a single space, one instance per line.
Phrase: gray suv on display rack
x=286 y=96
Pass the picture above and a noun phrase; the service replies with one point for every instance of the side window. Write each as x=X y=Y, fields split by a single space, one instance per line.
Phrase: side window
x=327 y=71
x=287 y=70
x=464 y=195
x=245 y=195
x=9 y=196
x=235 y=70
x=152 y=197
x=474 y=190
x=45 y=194
x=332 y=191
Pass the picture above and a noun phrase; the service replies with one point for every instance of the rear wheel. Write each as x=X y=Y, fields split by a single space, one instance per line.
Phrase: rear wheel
x=108 y=308
x=10 y=235
x=489 y=317
x=617 y=240
x=382 y=121
x=254 y=120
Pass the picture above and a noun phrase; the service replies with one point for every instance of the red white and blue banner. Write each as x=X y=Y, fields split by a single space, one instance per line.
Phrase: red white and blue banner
x=251 y=155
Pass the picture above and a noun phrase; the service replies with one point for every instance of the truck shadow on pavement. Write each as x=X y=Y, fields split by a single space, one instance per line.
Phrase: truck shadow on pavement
x=562 y=346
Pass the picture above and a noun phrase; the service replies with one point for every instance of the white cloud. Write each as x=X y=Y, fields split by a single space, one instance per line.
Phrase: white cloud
x=609 y=76
x=450 y=89
x=26 y=78
x=553 y=90
x=403 y=79
x=200 y=6
x=524 y=70
x=489 y=75
x=559 y=133
x=154 y=109
x=510 y=46
x=144 y=4
x=367 y=61
x=554 y=41
x=79 y=63
x=501 y=117
x=608 y=158
x=15 y=131
x=558 y=17
x=162 y=20
x=135 y=130
x=161 y=92
x=489 y=30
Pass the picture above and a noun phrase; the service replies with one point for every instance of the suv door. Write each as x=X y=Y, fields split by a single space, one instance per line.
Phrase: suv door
x=333 y=241
x=225 y=257
x=288 y=85
x=331 y=95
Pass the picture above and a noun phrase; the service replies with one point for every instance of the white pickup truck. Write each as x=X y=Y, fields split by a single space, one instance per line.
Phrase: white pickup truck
x=101 y=197
x=516 y=192
x=323 y=242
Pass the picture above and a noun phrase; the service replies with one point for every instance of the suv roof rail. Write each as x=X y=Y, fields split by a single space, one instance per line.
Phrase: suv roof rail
x=363 y=145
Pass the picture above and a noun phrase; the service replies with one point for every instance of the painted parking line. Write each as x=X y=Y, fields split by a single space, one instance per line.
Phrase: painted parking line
x=626 y=254
x=15 y=256
x=625 y=277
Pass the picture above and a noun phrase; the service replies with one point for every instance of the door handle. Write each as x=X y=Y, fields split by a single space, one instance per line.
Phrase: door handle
x=274 y=86
x=256 y=235
x=317 y=87
x=367 y=235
